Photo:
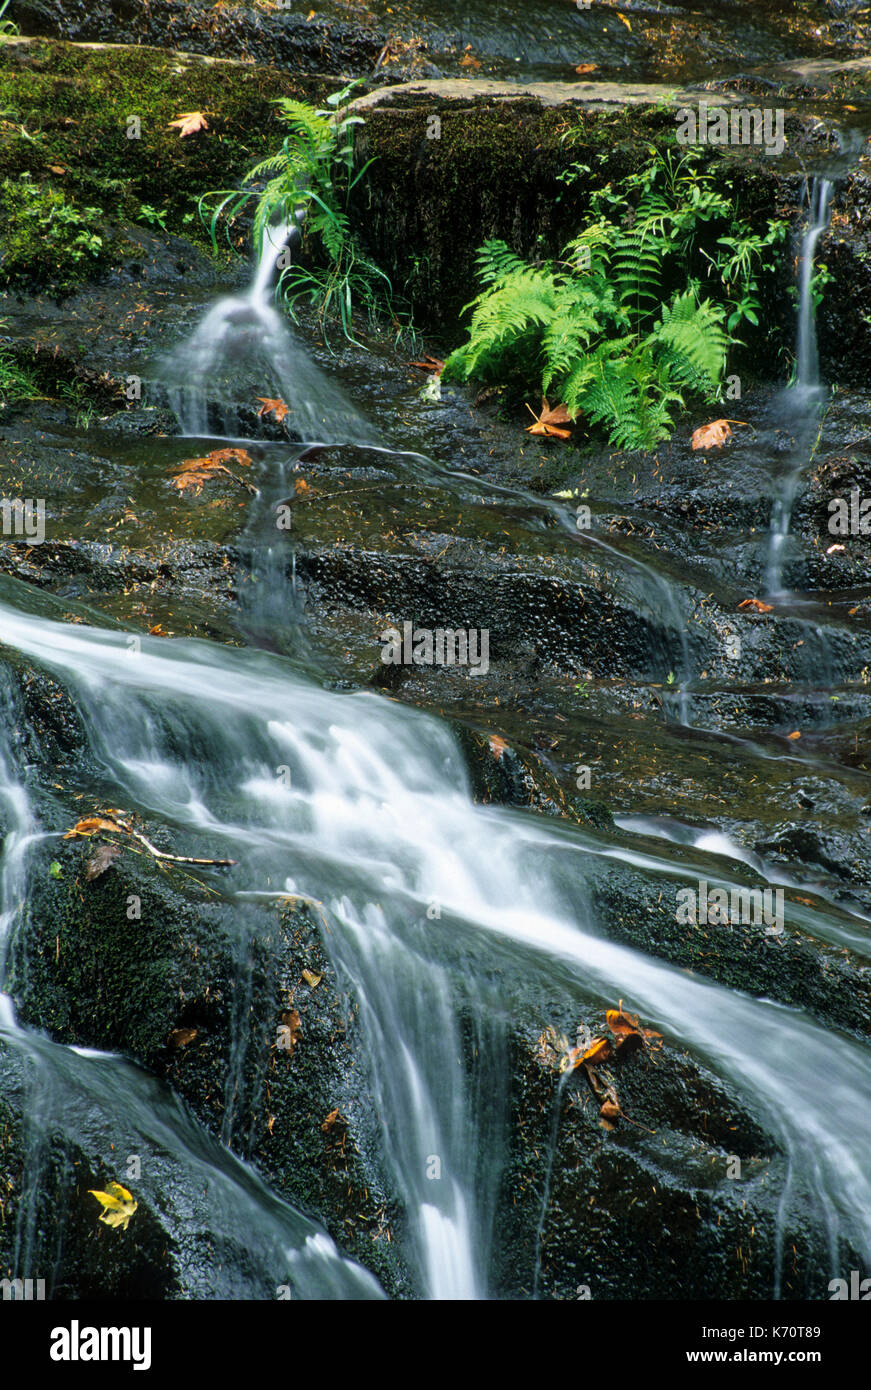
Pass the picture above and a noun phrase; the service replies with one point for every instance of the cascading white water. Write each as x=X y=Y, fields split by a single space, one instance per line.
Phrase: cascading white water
x=378 y=825
x=803 y=398
x=241 y=343
x=96 y=1100
x=807 y=364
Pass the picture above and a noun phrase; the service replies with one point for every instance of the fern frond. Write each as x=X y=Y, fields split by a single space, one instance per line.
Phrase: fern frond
x=692 y=340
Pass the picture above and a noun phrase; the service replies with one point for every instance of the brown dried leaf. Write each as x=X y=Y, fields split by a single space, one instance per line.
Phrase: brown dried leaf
x=330 y=1120
x=713 y=435
x=429 y=364
x=274 y=407
x=548 y=420
x=100 y=861
x=180 y=1037
x=91 y=824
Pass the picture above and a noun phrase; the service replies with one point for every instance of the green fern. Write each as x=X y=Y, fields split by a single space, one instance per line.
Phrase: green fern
x=692 y=341
x=604 y=330
x=314 y=172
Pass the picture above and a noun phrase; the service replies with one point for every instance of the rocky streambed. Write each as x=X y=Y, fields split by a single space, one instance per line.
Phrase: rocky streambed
x=249 y=1019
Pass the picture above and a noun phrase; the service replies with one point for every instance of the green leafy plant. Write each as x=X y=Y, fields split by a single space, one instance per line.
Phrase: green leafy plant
x=17 y=383
x=638 y=313
x=310 y=181
x=46 y=237
x=8 y=28
x=155 y=217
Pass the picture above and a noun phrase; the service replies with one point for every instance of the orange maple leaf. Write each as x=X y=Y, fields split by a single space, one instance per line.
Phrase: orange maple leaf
x=586 y=67
x=713 y=435
x=274 y=407
x=189 y=122
x=194 y=472
x=756 y=604
x=548 y=420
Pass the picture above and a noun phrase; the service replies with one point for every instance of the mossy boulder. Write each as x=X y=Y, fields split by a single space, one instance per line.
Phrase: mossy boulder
x=87 y=147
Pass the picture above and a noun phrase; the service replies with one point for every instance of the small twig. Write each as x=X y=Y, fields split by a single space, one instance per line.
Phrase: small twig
x=176 y=858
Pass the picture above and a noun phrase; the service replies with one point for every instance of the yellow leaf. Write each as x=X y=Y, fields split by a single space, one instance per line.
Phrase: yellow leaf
x=118 y=1205
x=624 y=20
x=311 y=978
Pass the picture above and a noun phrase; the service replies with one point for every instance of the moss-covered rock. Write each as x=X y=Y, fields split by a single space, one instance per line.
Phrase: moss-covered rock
x=211 y=997
x=86 y=146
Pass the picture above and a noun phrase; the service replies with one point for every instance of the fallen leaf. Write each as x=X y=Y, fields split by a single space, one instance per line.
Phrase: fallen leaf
x=311 y=979
x=549 y=419
x=796 y=733
x=468 y=59
x=756 y=604
x=586 y=67
x=713 y=435
x=302 y=486
x=194 y=472
x=189 y=122
x=118 y=1205
x=624 y=20
x=599 y=1050
x=621 y=1023
x=290 y=1031
x=158 y=631
x=610 y=1112
x=274 y=407
x=100 y=861
x=90 y=825
x=233 y=455
x=429 y=364
x=330 y=1120
x=833 y=548
x=497 y=746
x=180 y=1037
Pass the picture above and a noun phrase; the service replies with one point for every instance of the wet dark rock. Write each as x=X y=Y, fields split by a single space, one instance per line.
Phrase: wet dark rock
x=50 y=1230
x=648 y=1210
x=196 y=991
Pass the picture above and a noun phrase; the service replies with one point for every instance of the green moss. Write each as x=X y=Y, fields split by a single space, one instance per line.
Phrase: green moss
x=69 y=121
x=47 y=237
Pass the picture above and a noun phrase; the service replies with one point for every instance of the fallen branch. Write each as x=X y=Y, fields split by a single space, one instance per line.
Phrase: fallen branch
x=113 y=821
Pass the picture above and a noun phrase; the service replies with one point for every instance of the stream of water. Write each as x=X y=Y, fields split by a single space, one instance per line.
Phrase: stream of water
x=377 y=824
x=803 y=400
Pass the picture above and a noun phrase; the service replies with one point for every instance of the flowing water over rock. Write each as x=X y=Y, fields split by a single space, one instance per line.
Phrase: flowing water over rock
x=364 y=809
x=804 y=399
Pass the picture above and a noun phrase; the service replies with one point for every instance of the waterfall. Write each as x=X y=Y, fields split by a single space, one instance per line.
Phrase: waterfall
x=802 y=399
x=807 y=374
x=427 y=897
x=243 y=348
x=378 y=825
